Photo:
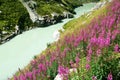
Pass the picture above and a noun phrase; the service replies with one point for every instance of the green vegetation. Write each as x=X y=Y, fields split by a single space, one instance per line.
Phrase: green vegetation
x=46 y=7
x=93 y=50
x=84 y=19
x=84 y=1
x=11 y=13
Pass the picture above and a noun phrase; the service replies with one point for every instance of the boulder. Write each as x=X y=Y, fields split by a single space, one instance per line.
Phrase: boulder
x=4 y=32
x=60 y=77
x=56 y=35
x=68 y=15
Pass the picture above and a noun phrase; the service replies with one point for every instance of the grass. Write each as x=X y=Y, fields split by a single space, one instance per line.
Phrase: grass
x=84 y=19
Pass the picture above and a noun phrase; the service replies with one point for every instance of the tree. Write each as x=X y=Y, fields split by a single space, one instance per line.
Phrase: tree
x=24 y=22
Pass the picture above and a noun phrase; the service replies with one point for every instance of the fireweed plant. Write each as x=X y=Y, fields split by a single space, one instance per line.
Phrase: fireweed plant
x=93 y=51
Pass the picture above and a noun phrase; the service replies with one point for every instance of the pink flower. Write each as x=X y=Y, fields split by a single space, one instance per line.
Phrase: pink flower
x=87 y=66
x=33 y=62
x=78 y=39
x=67 y=39
x=109 y=76
x=109 y=34
x=88 y=58
x=94 y=78
x=71 y=63
x=15 y=78
x=107 y=42
x=76 y=44
x=63 y=71
x=90 y=51
x=116 y=48
x=22 y=77
x=34 y=71
x=47 y=63
x=64 y=52
x=29 y=75
x=101 y=42
x=52 y=58
x=41 y=67
x=93 y=41
x=77 y=60
x=114 y=34
x=98 y=52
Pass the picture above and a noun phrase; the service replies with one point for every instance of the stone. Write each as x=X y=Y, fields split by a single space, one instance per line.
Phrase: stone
x=59 y=77
x=68 y=15
x=4 y=32
x=56 y=35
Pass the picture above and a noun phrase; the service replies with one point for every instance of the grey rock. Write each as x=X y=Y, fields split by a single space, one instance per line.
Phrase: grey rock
x=4 y=32
x=68 y=15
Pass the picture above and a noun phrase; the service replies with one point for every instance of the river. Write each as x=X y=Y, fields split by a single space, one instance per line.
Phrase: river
x=18 y=52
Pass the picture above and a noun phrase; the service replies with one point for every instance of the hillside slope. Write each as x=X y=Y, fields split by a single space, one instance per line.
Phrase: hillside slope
x=12 y=13
x=92 y=49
